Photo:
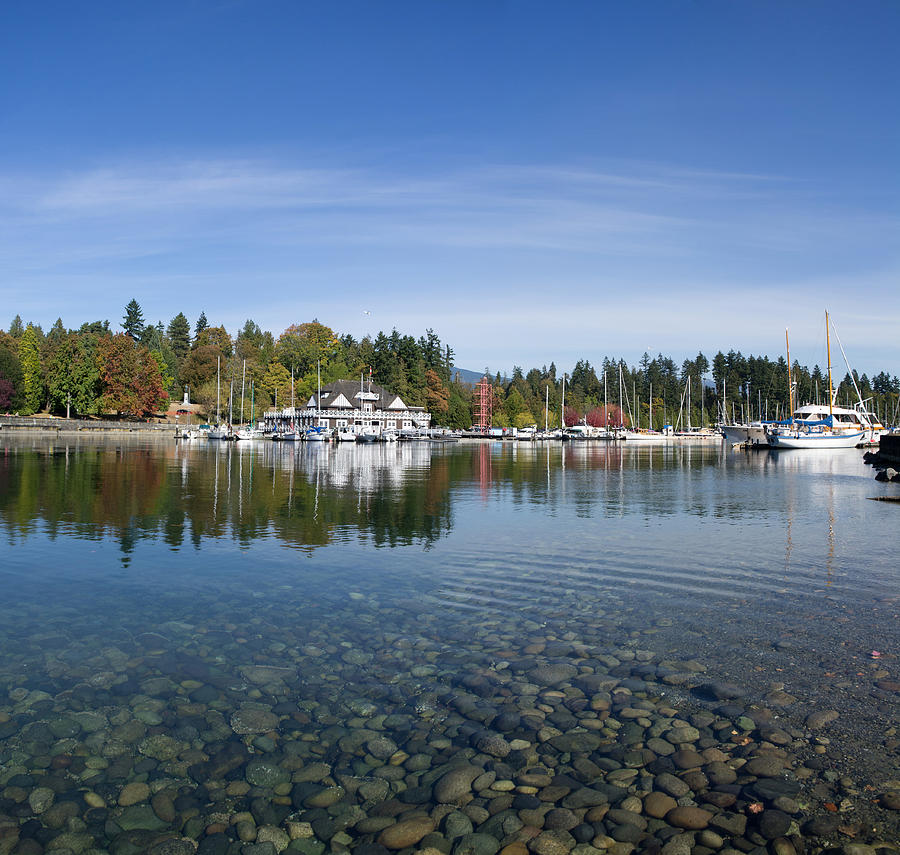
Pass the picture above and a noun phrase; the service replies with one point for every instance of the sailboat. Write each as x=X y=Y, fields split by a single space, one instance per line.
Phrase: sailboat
x=318 y=433
x=648 y=435
x=810 y=427
x=245 y=431
x=218 y=432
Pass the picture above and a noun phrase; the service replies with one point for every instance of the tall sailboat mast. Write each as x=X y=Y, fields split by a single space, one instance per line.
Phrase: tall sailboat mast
x=828 y=352
x=218 y=385
x=243 y=381
x=605 y=403
x=547 y=408
x=787 y=345
x=621 y=400
x=562 y=406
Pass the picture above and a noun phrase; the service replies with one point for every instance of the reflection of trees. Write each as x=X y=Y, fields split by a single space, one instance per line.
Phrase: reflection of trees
x=302 y=497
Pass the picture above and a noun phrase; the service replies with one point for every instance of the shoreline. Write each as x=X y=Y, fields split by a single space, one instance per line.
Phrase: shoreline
x=27 y=424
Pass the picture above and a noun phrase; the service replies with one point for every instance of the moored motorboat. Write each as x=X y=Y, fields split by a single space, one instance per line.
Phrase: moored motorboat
x=367 y=434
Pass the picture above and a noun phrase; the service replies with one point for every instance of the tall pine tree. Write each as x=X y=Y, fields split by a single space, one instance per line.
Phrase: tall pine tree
x=133 y=322
x=202 y=324
x=179 y=332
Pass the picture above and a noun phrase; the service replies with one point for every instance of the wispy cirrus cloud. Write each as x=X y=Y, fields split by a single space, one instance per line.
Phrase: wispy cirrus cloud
x=641 y=237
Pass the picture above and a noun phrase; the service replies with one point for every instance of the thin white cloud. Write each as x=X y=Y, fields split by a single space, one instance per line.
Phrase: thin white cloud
x=558 y=252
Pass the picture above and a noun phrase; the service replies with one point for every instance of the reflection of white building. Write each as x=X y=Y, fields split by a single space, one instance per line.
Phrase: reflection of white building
x=345 y=404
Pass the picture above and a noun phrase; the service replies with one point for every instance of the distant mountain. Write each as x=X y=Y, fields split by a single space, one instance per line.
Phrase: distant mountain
x=466 y=376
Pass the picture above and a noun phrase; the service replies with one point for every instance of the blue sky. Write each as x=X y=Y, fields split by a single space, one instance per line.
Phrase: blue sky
x=536 y=181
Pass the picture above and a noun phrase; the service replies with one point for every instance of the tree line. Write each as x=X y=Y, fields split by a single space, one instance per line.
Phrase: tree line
x=94 y=371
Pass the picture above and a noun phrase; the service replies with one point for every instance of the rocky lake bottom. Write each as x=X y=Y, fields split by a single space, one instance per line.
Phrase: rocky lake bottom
x=452 y=652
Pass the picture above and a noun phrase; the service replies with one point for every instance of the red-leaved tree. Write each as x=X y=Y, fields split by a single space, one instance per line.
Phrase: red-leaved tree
x=130 y=376
x=572 y=416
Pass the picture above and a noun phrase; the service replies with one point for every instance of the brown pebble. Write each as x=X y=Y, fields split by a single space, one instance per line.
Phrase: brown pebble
x=406 y=833
x=163 y=807
x=515 y=848
x=891 y=801
x=692 y=818
x=658 y=804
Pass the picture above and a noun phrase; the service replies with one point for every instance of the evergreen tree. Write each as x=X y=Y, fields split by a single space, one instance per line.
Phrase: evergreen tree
x=133 y=322
x=15 y=328
x=94 y=327
x=179 y=332
x=32 y=372
x=202 y=324
x=10 y=380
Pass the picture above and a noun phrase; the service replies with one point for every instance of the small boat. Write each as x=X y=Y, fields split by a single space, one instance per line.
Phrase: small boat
x=753 y=434
x=643 y=436
x=247 y=433
x=527 y=434
x=346 y=435
x=367 y=434
x=317 y=434
x=389 y=435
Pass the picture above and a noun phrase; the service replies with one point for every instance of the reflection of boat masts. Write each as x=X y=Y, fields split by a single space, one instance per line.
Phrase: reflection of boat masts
x=829 y=561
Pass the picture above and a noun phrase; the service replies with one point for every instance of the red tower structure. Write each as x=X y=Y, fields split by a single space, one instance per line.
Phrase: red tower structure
x=484 y=404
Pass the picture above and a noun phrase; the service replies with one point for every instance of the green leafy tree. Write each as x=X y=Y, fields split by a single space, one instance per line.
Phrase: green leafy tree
x=60 y=382
x=303 y=345
x=216 y=336
x=277 y=379
x=32 y=373
x=133 y=322
x=166 y=375
x=200 y=367
x=11 y=382
x=86 y=380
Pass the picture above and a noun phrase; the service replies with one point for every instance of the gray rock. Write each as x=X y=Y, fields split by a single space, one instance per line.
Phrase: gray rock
x=552 y=843
x=493 y=744
x=668 y=783
x=476 y=844
x=773 y=823
x=456 y=785
x=457 y=824
x=265 y=773
x=381 y=747
x=253 y=720
x=577 y=742
x=552 y=674
x=818 y=720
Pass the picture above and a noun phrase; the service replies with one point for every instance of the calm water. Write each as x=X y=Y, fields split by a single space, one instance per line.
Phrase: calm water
x=153 y=591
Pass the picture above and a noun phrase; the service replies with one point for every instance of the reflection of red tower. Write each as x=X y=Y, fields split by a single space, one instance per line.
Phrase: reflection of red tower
x=484 y=469
x=484 y=400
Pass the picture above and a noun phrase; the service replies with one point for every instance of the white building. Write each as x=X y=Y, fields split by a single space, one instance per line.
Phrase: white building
x=347 y=404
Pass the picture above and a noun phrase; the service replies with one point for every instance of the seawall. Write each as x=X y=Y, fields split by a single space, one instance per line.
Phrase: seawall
x=25 y=423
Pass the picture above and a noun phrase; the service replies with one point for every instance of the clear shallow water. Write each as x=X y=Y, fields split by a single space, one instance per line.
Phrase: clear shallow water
x=426 y=579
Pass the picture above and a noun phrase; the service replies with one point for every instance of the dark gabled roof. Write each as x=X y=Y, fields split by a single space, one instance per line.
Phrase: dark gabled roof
x=350 y=390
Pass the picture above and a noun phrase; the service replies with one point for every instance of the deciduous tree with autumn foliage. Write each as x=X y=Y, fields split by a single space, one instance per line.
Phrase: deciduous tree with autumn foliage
x=131 y=380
